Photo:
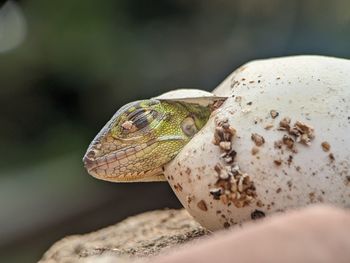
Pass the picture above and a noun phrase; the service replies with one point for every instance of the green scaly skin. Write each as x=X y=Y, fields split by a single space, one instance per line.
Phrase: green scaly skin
x=141 y=137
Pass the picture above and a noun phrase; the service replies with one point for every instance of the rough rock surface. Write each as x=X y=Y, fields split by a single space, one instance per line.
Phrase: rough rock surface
x=131 y=240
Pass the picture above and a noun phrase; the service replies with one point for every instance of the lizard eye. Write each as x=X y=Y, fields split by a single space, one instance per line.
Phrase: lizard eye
x=139 y=119
x=188 y=127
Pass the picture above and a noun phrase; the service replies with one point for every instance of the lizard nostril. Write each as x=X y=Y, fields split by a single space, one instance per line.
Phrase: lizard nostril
x=91 y=154
x=89 y=159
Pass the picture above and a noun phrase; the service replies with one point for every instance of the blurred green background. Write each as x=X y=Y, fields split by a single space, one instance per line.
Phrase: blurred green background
x=67 y=66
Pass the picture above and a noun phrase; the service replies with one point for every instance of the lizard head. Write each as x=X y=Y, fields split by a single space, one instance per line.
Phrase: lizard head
x=141 y=137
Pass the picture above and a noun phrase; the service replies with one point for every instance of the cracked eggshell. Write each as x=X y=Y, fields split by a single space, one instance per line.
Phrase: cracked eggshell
x=184 y=93
x=310 y=89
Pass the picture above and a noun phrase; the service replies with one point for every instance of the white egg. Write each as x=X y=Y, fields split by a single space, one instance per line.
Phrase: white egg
x=285 y=143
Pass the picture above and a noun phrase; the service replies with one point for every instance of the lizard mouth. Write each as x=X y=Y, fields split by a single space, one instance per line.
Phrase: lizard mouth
x=146 y=176
x=115 y=166
x=130 y=163
x=114 y=159
x=109 y=168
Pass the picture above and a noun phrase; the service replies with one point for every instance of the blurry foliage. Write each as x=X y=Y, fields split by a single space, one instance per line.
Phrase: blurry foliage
x=82 y=60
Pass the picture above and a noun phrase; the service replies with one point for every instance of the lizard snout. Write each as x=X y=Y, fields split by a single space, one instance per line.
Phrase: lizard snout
x=89 y=160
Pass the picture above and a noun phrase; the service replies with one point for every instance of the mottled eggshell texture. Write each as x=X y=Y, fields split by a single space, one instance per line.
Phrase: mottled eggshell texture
x=280 y=141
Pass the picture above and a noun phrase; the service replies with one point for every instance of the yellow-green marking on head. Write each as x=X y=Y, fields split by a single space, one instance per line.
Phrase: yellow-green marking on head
x=141 y=137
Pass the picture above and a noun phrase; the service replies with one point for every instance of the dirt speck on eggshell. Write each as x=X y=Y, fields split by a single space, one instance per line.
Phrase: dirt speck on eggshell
x=302 y=132
x=255 y=150
x=226 y=146
x=274 y=114
x=227 y=225
x=257 y=214
x=257 y=139
x=232 y=185
x=347 y=180
x=288 y=141
x=285 y=124
x=278 y=162
x=178 y=187
x=268 y=126
x=326 y=146
x=202 y=205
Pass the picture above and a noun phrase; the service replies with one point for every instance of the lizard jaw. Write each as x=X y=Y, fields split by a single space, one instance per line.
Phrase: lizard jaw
x=108 y=167
x=155 y=175
x=120 y=165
